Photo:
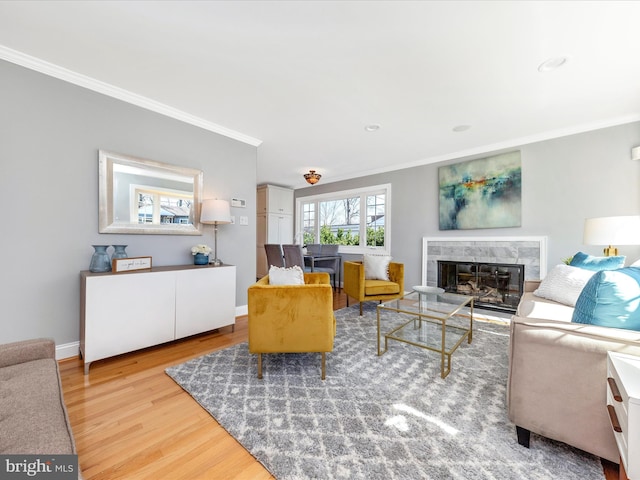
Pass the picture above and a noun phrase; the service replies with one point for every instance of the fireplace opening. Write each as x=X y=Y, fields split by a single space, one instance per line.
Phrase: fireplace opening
x=494 y=286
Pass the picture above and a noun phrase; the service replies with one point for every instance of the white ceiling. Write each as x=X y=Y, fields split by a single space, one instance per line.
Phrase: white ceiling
x=301 y=79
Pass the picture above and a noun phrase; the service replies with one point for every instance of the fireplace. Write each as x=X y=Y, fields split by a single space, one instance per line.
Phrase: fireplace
x=494 y=286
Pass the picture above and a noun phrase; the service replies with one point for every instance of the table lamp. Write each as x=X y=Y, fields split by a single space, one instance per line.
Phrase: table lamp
x=622 y=230
x=216 y=212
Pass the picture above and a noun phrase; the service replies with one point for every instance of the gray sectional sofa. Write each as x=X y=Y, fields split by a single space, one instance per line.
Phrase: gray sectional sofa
x=558 y=375
x=33 y=417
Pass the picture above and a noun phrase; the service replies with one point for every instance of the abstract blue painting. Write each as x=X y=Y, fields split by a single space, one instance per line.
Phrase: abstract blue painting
x=483 y=193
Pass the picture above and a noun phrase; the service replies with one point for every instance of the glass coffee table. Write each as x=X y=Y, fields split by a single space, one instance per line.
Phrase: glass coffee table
x=435 y=321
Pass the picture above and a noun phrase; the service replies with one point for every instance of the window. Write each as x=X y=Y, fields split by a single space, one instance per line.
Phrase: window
x=356 y=219
x=161 y=206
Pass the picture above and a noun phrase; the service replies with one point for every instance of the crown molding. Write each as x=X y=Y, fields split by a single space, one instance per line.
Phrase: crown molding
x=84 y=81
x=490 y=148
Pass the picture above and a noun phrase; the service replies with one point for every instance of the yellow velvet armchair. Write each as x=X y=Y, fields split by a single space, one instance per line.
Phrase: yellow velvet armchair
x=292 y=318
x=355 y=285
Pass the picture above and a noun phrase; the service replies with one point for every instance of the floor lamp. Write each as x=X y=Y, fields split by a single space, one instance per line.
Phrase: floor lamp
x=216 y=212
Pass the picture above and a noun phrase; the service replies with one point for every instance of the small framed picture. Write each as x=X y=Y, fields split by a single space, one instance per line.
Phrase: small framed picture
x=130 y=264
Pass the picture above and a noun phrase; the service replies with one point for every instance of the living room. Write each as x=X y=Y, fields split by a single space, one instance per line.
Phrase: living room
x=55 y=121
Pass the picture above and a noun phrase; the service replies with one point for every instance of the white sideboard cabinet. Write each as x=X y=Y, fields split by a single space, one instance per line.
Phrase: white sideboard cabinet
x=123 y=312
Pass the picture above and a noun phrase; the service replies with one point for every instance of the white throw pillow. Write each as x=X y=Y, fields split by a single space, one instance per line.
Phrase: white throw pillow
x=286 y=276
x=376 y=267
x=564 y=284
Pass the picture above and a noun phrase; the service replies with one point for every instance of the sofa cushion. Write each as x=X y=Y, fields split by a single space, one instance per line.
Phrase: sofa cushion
x=32 y=413
x=532 y=306
x=611 y=298
x=563 y=284
x=583 y=260
x=380 y=287
x=376 y=267
x=286 y=276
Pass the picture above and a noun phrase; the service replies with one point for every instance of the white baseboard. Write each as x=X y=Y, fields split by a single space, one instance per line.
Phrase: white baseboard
x=67 y=350
x=242 y=310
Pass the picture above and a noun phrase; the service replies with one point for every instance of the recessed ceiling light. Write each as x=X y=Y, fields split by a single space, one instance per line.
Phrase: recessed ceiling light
x=372 y=128
x=552 y=64
x=461 y=128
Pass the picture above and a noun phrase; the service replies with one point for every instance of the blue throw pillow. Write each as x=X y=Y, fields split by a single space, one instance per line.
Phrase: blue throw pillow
x=590 y=262
x=611 y=298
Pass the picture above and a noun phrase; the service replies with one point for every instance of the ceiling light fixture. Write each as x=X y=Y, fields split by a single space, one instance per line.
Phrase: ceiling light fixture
x=312 y=177
x=372 y=128
x=552 y=64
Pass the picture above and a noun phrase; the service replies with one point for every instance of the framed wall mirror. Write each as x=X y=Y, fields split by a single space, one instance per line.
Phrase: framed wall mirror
x=147 y=197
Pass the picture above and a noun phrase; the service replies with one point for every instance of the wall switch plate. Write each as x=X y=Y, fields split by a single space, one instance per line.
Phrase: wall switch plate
x=233 y=219
x=238 y=202
x=244 y=220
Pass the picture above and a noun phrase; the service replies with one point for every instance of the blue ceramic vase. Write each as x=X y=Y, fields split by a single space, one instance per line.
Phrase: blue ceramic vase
x=119 y=252
x=100 y=261
x=200 y=259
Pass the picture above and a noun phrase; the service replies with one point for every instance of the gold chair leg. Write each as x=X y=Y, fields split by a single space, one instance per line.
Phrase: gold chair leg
x=360 y=308
x=324 y=357
x=259 y=365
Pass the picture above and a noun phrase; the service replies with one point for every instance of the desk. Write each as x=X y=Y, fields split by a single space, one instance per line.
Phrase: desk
x=313 y=257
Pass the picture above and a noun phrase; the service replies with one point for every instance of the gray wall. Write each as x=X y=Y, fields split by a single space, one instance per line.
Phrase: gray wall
x=564 y=181
x=50 y=133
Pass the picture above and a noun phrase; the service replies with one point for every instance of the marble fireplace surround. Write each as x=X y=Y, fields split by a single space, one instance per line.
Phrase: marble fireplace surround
x=528 y=251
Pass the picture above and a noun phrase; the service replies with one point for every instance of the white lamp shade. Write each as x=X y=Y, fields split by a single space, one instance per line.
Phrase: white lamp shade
x=623 y=230
x=215 y=211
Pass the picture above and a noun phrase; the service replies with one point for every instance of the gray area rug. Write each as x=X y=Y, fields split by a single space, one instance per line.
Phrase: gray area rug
x=387 y=417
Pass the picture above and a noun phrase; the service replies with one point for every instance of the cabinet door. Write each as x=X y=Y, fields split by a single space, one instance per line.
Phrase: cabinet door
x=126 y=312
x=205 y=299
x=285 y=229
x=280 y=200
x=261 y=230
x=280 y=228
x=261 y=200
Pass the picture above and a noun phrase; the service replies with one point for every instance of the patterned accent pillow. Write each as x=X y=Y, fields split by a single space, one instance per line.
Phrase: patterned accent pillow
x=563 y=284
x=376 y=267
x=584 y=260
x=286 y=276
x=611 y=298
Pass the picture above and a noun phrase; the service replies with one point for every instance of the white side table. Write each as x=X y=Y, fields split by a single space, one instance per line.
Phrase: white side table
x=623 y=403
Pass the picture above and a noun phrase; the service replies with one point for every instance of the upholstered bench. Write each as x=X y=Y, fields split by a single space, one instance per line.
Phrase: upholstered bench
x=33 y=417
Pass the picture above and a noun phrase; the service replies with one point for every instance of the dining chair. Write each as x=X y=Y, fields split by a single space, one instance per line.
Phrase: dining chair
x=275 y=256
x=293 y=256
x=333 y=263
x=314 y=248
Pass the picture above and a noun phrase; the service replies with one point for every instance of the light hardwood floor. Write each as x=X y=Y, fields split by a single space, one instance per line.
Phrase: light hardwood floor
x=131 y=421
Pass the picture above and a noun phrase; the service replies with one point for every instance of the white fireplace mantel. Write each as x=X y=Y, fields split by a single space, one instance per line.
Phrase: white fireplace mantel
x=530 y=251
